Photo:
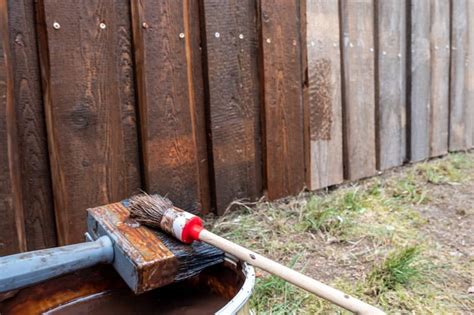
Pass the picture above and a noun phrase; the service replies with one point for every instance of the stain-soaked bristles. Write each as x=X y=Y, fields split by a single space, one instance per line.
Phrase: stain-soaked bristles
x=148 y=209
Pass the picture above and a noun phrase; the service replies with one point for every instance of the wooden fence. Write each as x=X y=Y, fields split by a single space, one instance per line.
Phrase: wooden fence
x=215 y=100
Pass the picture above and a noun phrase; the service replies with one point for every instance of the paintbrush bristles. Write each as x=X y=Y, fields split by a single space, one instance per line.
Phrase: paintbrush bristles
x=149 y=209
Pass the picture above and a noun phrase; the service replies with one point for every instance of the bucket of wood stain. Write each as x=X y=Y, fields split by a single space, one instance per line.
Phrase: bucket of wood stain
x=221 y=289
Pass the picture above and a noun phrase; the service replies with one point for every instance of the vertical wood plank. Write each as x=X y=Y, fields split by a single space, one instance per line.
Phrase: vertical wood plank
x=439 y=109
x=234 y=102
x=12 y=233
x=358 y=88
x=90 y=109
x=469 y=83
x=419 y=80
x=194 y=57
x=461 y=134
x=390 y=82
x=283 y=108
x=170 y=108
x=461 y=112
x=324 y=84
x=33 y=151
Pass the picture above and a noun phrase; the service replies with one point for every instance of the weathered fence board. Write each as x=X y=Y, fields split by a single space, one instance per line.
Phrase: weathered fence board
x=234 y=102
x=168 y=104
x=324 y=112
x=461 y=111
x=358 y=88
x=439 y=109
x=419 y=80
x=12 y=233
x=390 y=82
x=283 y=107
x=469 y=83
x=89 y=104
x=32 y=143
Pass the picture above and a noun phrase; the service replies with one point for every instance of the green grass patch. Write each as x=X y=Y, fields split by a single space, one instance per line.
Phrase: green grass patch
x=334 y=213
x=397 y=269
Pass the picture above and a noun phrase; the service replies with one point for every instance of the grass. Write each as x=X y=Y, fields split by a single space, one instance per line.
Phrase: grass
x=370 y=240
x=397 y=269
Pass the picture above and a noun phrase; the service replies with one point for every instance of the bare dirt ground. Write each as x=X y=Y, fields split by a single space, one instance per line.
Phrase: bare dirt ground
x=403 y=241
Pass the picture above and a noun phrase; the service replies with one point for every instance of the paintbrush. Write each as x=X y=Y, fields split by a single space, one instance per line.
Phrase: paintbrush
x=146 y=259
x=158 y=212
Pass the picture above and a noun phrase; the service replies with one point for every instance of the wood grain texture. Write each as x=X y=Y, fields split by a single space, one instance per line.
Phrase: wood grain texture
x=440 y=54
x=358 y=88
x=33 y=150
x=234 y=101
x=12 y=233
x=90 y=109
x=461 y=114
x=324 y=86
x=170 y=104
x=469 y=83
x=196 y=89
x=419 y=80
x=390 y=82
x=283 y=107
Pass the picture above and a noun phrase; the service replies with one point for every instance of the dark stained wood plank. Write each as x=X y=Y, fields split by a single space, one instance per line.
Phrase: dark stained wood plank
x=390 y=82
x=439 y=107
x=325 y=105
x=33 y=150
x=234 y=102
x=12 y=233
x=170 y=108
x=194 y=57
x=90 y=110
x=460 y=132
x=419 y=80
x=283 y=107
x=358 y=88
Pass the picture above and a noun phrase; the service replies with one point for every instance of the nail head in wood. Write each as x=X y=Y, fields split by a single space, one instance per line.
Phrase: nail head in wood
x=56 y=26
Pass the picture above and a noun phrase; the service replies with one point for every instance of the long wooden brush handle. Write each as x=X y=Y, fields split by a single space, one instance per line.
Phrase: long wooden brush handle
x=320 y=289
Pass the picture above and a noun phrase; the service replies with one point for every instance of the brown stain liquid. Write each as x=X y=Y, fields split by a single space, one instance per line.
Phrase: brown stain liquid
x=100 y=290
x=172 y=301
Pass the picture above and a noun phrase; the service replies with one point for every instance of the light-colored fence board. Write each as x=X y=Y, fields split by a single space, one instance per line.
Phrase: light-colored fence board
x=419 y=84
x=324 y=167
x=390 y=82
x=461 y=111
x=439 y=105
x=358 y=88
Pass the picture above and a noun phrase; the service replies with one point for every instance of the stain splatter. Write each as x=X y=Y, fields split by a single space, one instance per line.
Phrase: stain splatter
x=320 y=100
